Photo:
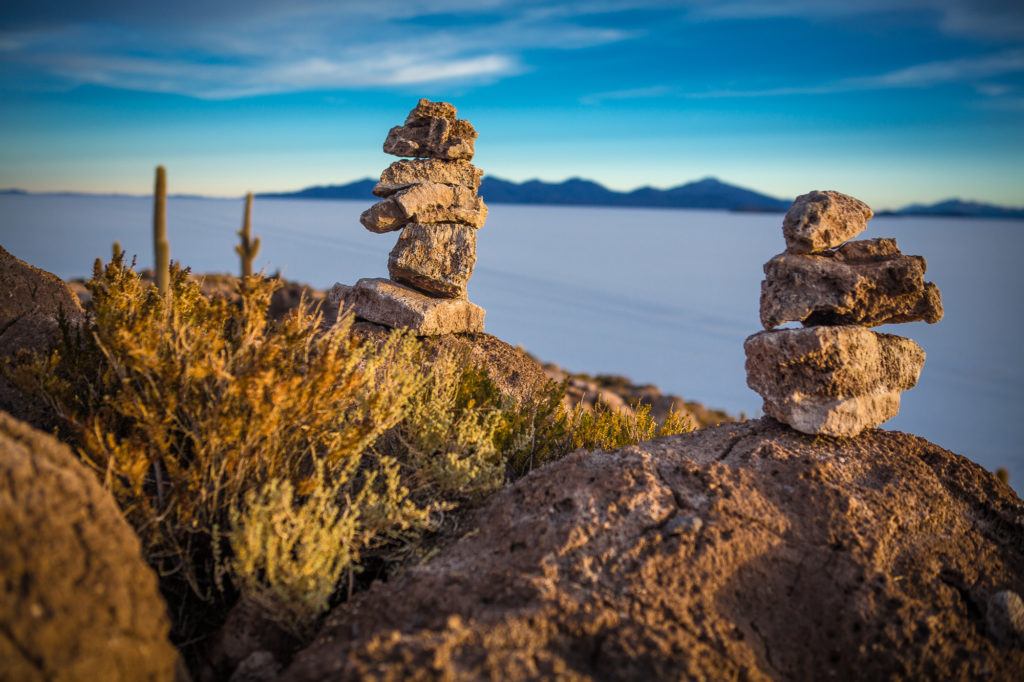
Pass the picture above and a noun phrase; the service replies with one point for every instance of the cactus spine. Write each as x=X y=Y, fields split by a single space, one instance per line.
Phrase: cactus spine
x=161 y=248
x=249 y=247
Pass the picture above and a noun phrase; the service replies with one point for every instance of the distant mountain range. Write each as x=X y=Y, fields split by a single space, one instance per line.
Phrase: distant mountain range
x=708 y=193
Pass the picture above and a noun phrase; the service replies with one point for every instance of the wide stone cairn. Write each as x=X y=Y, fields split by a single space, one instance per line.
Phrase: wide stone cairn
x=834 y=376
x=433 y=200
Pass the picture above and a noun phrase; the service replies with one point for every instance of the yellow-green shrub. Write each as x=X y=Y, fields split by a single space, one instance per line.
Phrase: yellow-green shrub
x=184 y=404
x=606 y=428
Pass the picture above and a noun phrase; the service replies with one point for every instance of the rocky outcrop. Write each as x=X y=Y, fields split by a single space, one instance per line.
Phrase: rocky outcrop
x=831 y=380
x=746 y=551
x=32 y=303
x=818 y=221
x=434 y=202
x=77 y=601
x=863 y=282
x=834 y=377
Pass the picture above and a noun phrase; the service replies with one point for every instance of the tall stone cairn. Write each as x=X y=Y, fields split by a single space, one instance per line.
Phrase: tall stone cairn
x=432 y=198
x=835 y=376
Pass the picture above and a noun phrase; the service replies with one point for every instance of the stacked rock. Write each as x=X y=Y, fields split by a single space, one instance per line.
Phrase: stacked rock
x=834 y=376
x=433 y=200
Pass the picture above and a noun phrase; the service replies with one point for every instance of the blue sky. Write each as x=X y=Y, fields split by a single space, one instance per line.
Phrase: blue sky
x=894 y=101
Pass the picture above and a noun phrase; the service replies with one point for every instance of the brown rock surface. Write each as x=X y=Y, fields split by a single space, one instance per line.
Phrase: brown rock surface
x=77 y=601
x=393 y=305
x=822 y=220
x=746 y=551
x=864 y=282
x=437 y=259
x=835 y=381
x=32 y=302
x=514 y=372
x=405 y=173
x=431 y=130
x=427 y=202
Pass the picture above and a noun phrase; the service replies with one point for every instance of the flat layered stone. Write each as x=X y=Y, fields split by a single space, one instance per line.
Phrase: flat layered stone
x=427 y=202
x=863 y=282
x=405 y=173
x=431 y=130
x=394 y=305
x=836 y=381
x=436 y=259
x=822 y=220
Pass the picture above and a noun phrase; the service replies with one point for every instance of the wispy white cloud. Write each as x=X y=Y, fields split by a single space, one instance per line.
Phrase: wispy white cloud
x=966 y=70
x=271 y=47
x=628 y=94
x=995 y=19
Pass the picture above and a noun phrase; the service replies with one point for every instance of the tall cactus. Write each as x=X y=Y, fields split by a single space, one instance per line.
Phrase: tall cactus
x=161 y=247
x=249 y=247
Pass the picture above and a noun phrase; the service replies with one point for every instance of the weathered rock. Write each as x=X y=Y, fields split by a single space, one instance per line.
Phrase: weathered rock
x=393 y=305
x=246 y=646
x=32 y=302
x=514 y=372
x=746 y=551
x=865 y=282
x=835 y=381
x=427 y=202
x=77 y=601
x=405 y=173
x=1005 y=617
x=437 y=259
x=431 y=130
x=822 y=220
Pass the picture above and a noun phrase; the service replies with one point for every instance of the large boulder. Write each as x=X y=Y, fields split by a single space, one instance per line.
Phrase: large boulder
x=745 y=551
x=32 y=303
x=77 y=601
x=865 y=282
x=835 y=381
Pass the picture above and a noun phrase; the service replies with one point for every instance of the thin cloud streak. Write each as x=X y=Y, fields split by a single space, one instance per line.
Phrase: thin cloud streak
x=916 y=76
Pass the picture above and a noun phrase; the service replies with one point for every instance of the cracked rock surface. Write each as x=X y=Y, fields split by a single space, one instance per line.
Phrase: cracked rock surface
x=745 y=551
x=77 y=601
x=865 y=282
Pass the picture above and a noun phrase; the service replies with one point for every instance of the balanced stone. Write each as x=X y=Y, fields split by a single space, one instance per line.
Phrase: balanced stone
x=436 y=259
x=431 y=130
x=404 y=173
x=427 y=202
x=823 y=220
x=863 y=282
x=835 y=381
x=391 y=304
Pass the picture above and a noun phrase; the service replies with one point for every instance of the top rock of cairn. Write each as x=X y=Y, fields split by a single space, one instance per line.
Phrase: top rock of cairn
x=836 y=377
x=818 y=221
x=431 y=130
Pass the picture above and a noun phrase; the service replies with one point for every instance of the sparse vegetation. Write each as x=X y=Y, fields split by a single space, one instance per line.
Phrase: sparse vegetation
x=608 y=429
x=272 y=458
